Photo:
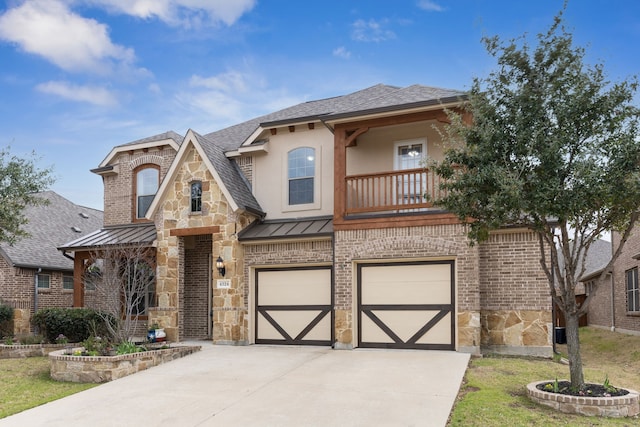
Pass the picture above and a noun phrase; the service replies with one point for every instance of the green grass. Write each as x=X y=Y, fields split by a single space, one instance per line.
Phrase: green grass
x=26 y=383
x=493 y=393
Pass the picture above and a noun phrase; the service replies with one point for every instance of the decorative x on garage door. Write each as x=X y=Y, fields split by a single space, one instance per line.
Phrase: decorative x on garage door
x=406 y=305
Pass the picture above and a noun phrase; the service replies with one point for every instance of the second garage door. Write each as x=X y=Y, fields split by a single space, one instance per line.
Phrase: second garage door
x=406 y=305
x=294 y=306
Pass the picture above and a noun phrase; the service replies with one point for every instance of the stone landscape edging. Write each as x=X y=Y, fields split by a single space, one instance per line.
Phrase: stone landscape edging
x=17 y=351
x=614 y=406
x=100 y=369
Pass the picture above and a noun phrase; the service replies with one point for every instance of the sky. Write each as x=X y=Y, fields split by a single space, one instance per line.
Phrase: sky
x=78 y=77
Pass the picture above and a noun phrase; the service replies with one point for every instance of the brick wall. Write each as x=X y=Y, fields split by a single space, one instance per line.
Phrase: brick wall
x=118 y=189
x=510 y=274
x=196 y=286
x=600 y=305
x=628 y=322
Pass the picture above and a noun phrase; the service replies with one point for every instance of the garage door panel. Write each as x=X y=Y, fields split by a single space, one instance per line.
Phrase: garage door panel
x=406 y=305
x=294 y=306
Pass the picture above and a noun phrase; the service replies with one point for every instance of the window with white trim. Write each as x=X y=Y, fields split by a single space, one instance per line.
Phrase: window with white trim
x=301 y=167
x=196 y=196
x=147 y=181
x=633 y=292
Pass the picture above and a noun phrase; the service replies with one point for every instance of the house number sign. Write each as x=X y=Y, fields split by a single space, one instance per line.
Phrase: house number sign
x=223 y=283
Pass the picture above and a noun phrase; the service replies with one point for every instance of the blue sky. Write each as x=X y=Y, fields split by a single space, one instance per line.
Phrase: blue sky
x=80 y=76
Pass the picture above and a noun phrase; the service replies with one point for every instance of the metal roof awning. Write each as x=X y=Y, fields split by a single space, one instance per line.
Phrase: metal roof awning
x=288 y=229
x=134 y=234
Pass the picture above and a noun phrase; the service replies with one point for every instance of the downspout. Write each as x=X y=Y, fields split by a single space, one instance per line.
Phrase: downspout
x=35 y=290
x=554 y=313
x=613 y=294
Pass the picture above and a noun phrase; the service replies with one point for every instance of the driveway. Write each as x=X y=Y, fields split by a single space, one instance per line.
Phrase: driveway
x=270 y=386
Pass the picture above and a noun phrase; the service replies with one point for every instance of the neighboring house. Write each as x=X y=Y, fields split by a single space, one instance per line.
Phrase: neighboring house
x=33 y=273
x=309 y=226
x=620 y=302
x=598 y=314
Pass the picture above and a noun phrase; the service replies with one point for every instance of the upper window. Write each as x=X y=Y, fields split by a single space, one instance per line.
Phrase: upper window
x=196 y=196
x=147 y=180
x=633 y=292
x=301 y=174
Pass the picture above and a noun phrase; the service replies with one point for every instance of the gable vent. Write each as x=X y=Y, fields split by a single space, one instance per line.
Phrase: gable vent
x=76 y=229
x=84 y=215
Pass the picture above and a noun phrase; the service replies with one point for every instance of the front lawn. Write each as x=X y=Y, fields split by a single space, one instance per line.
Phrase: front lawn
x=493 y=393
x=26 y=383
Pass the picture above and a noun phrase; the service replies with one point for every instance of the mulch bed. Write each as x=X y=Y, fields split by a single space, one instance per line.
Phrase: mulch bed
x=589 y=390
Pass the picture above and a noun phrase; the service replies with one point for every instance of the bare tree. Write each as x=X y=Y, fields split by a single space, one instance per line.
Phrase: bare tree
x=123 y=282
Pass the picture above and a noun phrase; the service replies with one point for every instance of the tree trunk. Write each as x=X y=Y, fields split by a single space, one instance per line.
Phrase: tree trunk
x=573 y=347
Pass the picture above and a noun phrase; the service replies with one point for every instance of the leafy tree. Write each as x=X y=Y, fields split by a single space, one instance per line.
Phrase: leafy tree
x=547 y=143
x=20 y=180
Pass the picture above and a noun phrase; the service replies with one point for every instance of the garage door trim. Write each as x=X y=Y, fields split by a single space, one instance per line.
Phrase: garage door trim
x=325 y=309
x=412 y=343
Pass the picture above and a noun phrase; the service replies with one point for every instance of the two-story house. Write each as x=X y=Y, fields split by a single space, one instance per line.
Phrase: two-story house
x=310 y=226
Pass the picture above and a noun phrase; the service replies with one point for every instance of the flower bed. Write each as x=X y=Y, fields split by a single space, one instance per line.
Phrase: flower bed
x=627 y=405
x=17 y=351
x=100 y=369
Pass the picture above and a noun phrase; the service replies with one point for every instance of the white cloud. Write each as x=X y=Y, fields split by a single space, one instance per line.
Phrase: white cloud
x=95 y=95
x=342 y=52
x=371 y=31
x=49 y=29
x=430 y=6
x=181 y=12
x=231 y=81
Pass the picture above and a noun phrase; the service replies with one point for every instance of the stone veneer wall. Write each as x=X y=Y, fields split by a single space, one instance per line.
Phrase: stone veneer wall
x=422 y=242
x=229 y=319
x=514 y=296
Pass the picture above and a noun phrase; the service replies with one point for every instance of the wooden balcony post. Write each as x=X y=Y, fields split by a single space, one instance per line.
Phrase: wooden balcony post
x=339 y=172
x=78 y=285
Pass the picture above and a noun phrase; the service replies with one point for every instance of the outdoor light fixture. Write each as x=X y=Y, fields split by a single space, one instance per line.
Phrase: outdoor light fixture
x=220 y=266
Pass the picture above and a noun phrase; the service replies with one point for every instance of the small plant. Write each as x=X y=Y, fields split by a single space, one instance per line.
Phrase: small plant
x=61 y=339
x=96 y=346
x=31 y=339
x=608 y=387
x=8 y=340
x=127 y=347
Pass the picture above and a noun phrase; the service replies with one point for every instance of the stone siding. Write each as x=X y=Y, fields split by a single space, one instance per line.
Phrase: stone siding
x=229 y=310
x=100 y=369
x=19 y=351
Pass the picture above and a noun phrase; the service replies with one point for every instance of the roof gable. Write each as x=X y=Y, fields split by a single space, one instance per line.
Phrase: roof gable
x=167 y=138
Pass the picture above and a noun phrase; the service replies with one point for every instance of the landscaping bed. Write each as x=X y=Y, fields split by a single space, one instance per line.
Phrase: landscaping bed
x=66 y=366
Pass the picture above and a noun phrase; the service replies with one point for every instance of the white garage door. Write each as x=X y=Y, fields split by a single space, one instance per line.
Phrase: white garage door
x=294 y=306
x=406 y=305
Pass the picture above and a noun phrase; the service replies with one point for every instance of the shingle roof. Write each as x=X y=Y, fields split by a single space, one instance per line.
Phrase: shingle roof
x=50 y=226
x=130 y=234
x=159 y=137
x=598 y=257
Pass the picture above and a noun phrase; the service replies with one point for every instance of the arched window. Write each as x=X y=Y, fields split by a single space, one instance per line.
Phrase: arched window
x=147 y=179
x=196 y=196
x=301 y=174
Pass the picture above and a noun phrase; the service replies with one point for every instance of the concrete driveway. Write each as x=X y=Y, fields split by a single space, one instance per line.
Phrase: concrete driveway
x=270 y=386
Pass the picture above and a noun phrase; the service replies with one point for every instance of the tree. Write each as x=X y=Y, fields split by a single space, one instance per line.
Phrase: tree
x=20 y=180
x=552 y=146
x=122 y=279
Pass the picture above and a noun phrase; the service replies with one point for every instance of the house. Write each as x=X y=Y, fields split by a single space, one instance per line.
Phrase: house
x=309 y=226
x=617 y=304
x=33 y=273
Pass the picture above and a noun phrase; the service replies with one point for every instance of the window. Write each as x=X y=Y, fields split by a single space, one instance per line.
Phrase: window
x=301 y=175
x=67 y=283
x=43 y=281
x=633 y=292
x=140 y=287
x=196 y=196
x=147 y=180
x=589 y=287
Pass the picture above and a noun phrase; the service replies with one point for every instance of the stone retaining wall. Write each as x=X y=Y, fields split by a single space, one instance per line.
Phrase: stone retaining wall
x=614 y=406
x=100 y=369
x=18 y=351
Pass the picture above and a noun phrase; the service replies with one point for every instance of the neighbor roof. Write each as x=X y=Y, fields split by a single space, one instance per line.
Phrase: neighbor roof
x=50 y=226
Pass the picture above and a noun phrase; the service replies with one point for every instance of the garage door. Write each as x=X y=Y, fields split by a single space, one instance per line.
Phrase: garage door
x=294 y=306
x=407 y=305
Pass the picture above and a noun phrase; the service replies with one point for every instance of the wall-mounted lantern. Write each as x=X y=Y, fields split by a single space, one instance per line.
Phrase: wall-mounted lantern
x=220 y=266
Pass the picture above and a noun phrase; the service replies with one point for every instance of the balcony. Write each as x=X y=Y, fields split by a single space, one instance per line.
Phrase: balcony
x=392 y=192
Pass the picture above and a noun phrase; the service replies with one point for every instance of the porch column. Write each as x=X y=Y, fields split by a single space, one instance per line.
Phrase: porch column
x=78 y=285
x=339 y=173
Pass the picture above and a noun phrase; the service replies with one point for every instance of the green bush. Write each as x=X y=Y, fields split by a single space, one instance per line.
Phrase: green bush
x=6 y=316
x=76 y=324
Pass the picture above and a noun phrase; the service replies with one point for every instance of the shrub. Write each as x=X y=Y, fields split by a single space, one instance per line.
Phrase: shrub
x=76 y=324
x=6 y=317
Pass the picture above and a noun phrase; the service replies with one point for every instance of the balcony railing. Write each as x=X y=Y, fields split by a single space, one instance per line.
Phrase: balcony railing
x=397 y=191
